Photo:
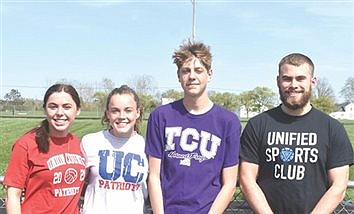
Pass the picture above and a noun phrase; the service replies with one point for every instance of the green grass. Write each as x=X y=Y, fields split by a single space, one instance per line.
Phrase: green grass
x=349 y=127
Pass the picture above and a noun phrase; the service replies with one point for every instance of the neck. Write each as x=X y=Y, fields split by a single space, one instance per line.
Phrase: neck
x=296 y=112
x=55 y=133
x=59 y=135
x=197 y=105
x=121 y=135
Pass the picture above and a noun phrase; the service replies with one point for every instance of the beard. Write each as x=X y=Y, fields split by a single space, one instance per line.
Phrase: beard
x=294 y=104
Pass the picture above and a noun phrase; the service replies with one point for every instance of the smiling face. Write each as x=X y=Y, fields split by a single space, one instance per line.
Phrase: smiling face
x=194 y=77
x=295 y=85
x=61 y=111
x=122 y=114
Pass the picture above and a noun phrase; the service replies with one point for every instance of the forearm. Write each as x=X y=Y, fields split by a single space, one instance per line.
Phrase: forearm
x=251 y=190
x=155 y=194
x=13 y=206
x=330 y=200
x=223 y=199
x=13 y=201
x=256 y=198
x=338 y=178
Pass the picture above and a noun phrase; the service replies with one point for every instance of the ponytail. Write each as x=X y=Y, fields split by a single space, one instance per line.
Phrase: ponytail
x=42 y=136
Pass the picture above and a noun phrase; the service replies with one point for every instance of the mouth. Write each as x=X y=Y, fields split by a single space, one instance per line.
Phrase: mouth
x=60 y=121
x=121 y=123
x=293 y=93
x=192 y=84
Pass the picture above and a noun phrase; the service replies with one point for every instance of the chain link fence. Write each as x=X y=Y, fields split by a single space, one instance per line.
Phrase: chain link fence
x=239 y=205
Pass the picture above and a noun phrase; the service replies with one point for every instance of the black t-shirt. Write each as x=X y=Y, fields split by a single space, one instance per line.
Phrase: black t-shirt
x=294 y=154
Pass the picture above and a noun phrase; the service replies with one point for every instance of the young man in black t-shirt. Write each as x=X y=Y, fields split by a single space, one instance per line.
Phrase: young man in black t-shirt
x=294 y=158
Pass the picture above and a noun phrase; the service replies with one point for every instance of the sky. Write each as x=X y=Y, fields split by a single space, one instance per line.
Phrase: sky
x=86 y=41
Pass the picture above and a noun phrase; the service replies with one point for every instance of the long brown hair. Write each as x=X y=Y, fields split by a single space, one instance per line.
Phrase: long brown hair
x=42 y=131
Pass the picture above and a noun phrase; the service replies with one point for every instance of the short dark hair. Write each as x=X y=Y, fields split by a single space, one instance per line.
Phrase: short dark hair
x=296 y=59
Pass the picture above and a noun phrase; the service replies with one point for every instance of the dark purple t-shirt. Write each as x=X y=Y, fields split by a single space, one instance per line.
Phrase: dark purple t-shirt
x=193 y=150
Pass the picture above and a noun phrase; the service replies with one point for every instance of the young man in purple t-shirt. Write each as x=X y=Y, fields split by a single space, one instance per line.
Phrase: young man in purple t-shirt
x=192 y=143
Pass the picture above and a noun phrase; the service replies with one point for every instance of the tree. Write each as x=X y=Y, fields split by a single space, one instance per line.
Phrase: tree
x=33 y=105
x=13 y=98
x=227 y=100
x=176 y=95
x=100 y=100
x=257 y=100
x=323 y=96
x=86 y=92
x=148 y=103
x=264 y=98
x=324 y=89
x=107 y=85
x=144 y=84
x=348 y=90
x=247 y=100
x=324 y=103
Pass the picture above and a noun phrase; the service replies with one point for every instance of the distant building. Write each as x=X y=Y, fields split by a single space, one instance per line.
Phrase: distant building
x=346 y=113
x=242 y=112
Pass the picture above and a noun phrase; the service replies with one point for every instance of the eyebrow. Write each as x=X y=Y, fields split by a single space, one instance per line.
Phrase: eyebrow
x=293 y=77
x=53 y=103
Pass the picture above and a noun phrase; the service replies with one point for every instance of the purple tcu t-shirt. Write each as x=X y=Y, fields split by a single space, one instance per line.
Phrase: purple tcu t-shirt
x=193 y=150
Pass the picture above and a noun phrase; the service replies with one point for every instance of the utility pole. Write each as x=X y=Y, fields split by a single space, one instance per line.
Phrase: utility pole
x=193 y=24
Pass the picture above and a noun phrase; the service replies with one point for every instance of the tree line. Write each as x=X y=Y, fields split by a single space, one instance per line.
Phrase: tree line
x=255 y=100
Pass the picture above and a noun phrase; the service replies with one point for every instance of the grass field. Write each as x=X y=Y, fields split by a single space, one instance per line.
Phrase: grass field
x=13 y=128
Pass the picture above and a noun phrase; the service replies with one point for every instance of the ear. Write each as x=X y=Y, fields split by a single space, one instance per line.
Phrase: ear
x=106 y=114
x=179 y=80
x=278 y=79
x=138 y=113
x=314 y=82
x=210 y=73
x=78 y=111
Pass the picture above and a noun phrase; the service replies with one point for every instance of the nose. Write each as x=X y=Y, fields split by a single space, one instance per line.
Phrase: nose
x=60 y=111
x=294 y=83
x=192 y=74
x=122 y=114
